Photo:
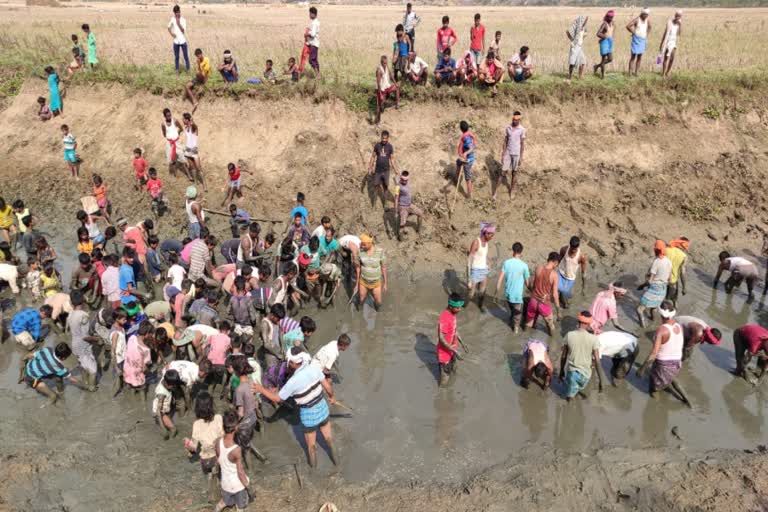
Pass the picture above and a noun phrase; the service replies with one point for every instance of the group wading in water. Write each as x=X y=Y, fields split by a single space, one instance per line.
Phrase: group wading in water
x=179 y=318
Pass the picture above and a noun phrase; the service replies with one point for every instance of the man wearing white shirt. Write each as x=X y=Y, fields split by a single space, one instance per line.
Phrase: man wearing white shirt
x=410 y=22
x=177 y=27
x=327 y=355
x=313 y=40
x=417 y=69
x=319 y=231
x=10 y=274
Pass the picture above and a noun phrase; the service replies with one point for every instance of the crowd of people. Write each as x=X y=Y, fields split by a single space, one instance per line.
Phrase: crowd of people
x=481 y=65
x=188 y=316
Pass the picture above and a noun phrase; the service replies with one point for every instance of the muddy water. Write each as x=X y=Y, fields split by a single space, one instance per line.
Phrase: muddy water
x=97 y=453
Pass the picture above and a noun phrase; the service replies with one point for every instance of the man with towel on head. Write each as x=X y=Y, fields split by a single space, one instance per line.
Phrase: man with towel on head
x=306 y=387
x=665 y=359
x=668 y=45
x=576 y=57
x=448 y=338
x=656 y=281
x=477 y=262
x=677 y=254
x=639 y=27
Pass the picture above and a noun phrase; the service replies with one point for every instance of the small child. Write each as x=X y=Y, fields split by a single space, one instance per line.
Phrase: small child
x=70 y=151
x=269 y=73
x=100 y=192
x=80 y=51
x=155 y=189
x=292 y=69
x=32 y=279
x=495 y=46
x=139 y=168
x=50 y=280
x=91 y=39
x=43 y=113
x=84 y=242
x=153 y=259
x=75 y=64
x=300 y=336
x=164 y=404
x=117 y=347
x=45 y=253
x=233 y=184
x=96 y=257
x=89 y=223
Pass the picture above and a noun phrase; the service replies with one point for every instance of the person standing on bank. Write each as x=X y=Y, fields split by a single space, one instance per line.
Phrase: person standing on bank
x=177 y=27
x=410 y=21
x=639 y=27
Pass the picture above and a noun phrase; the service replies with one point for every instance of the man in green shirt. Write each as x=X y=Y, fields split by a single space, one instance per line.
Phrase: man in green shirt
x=580 y=352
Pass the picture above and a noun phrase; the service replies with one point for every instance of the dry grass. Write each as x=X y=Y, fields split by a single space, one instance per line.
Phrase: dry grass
x=353 y=38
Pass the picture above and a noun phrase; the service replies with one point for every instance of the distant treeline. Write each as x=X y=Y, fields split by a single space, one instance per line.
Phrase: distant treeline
x=586 y=3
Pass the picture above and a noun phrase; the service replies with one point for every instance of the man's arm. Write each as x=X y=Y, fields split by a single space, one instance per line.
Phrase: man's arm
x=373 y=153
x=328 y=388
x=441 y=340
x=720 y=268
x=599 y=368
x=583 y=263
x=682 y=276
x=238 y=456
x=563 y=362
x=499 y=282
x=522 y=152
x=554 y=292
x=384 y=275
x=661 y=336
x=631 y=26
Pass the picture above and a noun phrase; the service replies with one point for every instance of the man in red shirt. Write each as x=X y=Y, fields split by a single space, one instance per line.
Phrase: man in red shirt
x=135 y=237
x=448 y=338
x=477 y=40
x=446 y=37
x=748 y=341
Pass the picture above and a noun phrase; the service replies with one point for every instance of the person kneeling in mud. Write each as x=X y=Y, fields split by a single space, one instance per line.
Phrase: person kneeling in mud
x=536 y=364
x=665 y=359
x=45 y=369
x=164 y=404
x=696 y=331
x=622 y=348
x=448 y=338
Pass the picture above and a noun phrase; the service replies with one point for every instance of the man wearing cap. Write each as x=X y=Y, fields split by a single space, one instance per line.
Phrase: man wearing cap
x=580 y=352
x=195 y=214
x=665 y=359
x=605 y=37
x=448 y=338
x=749 y=341
x=603 y=308
x=571 y=259
x=639 y=27
x=695 y=331
x=306 y=387
x=511 y=153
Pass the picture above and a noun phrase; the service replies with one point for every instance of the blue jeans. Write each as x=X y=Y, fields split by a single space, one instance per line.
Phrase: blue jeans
x=176 y=48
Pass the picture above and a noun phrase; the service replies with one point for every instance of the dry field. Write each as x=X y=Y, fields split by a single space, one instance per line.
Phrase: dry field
x=353 y=37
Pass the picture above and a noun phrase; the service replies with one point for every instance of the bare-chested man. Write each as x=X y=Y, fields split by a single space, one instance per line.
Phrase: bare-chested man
x=543 y=294
x=172 y=130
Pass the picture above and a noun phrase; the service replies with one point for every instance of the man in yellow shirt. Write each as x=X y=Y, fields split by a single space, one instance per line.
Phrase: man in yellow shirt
x=201 y=77
x=677 y=253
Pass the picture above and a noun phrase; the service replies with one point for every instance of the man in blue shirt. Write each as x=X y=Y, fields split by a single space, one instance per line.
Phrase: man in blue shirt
x=45 y=369
x=300 y=209
x=127 y=279
x=445 y=71
x=27 y=325
x=237 y=219
x=517 y=276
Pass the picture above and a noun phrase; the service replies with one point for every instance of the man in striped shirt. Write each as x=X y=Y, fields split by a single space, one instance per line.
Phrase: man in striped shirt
x=45 y=368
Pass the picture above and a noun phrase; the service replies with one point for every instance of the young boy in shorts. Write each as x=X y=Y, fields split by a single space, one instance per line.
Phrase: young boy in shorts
x=233 y=184
x=466 y=159
x=139 y=168
x=70 y=151
x=512 y=154
x=201 y=77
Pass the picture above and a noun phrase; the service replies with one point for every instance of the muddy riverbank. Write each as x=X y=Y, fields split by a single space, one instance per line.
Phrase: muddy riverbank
x=616 y=175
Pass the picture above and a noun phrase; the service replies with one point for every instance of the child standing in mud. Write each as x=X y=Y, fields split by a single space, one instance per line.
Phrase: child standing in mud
x=70 y=151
